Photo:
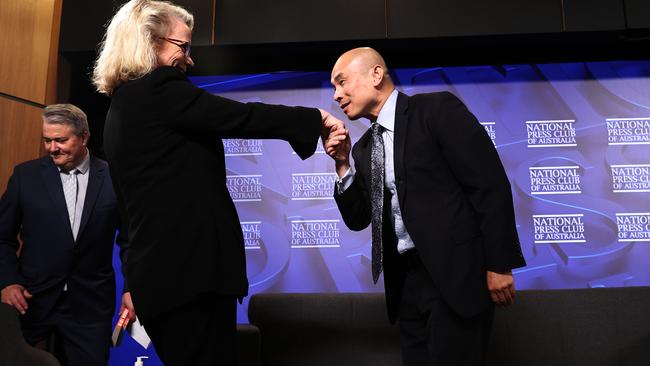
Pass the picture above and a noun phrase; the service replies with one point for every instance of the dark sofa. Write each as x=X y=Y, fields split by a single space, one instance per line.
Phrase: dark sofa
x=578 y=327
x=14 y=351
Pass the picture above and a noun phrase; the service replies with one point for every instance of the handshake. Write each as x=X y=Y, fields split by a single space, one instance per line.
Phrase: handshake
x=336 y=141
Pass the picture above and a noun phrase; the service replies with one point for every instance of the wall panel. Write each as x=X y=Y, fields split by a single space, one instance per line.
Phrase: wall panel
x=29 y=44
x=261 y=21
x=451 y=18
x=637 y=13
x=594 y=15
x=20 y=124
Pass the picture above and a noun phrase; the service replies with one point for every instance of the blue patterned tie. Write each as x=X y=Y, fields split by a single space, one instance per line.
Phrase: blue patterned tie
x=377 y=168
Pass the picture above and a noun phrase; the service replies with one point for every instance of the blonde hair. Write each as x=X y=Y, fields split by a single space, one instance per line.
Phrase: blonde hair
x=128 y=50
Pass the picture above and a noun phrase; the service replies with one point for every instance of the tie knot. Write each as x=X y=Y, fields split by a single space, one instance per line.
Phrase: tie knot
x=72 y=172
x=376 y=128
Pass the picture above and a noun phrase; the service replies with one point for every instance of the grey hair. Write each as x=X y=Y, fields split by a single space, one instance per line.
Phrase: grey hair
x=67 y=114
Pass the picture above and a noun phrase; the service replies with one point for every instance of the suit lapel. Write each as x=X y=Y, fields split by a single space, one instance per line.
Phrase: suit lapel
x=364 y=147
x=95 y=182
x=401 y=121
x=52 y=180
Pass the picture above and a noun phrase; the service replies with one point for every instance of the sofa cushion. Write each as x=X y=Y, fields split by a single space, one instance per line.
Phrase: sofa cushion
x=577 y=327
x=325 y=329
x=594 y=327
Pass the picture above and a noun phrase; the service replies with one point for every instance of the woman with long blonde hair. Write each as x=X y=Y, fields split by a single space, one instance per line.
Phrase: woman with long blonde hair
x=185 y=263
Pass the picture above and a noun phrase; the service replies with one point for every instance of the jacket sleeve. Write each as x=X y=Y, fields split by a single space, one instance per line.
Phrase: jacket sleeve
x=475 y=163
x=10 y=223
x=354 y=202
x=190 y=108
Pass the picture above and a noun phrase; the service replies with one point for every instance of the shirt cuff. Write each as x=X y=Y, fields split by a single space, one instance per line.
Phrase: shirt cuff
x=345 y=181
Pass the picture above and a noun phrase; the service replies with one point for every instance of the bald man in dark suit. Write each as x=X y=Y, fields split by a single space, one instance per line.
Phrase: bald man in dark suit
x=428 y=179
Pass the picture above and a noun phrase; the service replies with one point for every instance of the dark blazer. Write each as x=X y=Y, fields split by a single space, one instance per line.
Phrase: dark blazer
x=34 y=207
x=454 y=197
x=163 y=141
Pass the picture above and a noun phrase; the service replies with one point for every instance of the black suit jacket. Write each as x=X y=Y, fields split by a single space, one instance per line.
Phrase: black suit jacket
x=163 y=142
x=454 y=197
x=34 y=207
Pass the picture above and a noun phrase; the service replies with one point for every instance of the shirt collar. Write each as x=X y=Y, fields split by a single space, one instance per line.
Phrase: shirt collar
x=83 y=166
x=386 y=117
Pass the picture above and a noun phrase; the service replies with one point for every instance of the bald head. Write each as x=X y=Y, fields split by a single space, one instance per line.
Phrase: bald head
x=361 y=82
x=363 y=59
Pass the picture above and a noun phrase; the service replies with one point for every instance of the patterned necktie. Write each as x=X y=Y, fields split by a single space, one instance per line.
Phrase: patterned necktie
x=71 y=190
x=377 y=168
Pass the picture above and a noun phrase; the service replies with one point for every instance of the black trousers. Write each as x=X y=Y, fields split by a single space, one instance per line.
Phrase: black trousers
x=76 y=343
x=201 y=332
x=431 y=333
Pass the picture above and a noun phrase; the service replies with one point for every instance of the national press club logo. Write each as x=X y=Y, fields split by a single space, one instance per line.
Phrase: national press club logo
x=242 y=147
x=252 y=234
x=315 y=234
x=312 y=186
x=628 y=131
x=555 y=180
x=559 y=228
x=245 y=188
x=633 y=178
x=551 y=133
x=633 y=226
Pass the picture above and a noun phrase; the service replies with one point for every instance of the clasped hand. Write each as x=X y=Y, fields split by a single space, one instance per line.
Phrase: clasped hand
x=336 y=138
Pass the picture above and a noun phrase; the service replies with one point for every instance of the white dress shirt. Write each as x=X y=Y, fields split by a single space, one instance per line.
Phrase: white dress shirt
x=82 y=186
x=386 y=119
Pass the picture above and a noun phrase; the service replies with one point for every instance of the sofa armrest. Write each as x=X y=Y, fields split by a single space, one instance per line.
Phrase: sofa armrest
x=248 y=345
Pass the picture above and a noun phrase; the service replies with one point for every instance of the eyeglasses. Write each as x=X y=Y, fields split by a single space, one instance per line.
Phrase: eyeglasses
x=184 y=46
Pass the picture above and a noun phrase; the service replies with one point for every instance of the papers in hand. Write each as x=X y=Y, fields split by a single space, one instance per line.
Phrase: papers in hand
x=139 y=334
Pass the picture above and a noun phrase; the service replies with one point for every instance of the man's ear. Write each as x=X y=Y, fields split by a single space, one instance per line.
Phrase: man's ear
x=377 y=75
x=84 y=138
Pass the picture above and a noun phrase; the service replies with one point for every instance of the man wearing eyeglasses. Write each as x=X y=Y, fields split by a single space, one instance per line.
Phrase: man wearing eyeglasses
x=64 y=209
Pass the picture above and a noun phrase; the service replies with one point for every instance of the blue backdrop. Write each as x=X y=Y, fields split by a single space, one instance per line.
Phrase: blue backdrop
x=574 y=139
